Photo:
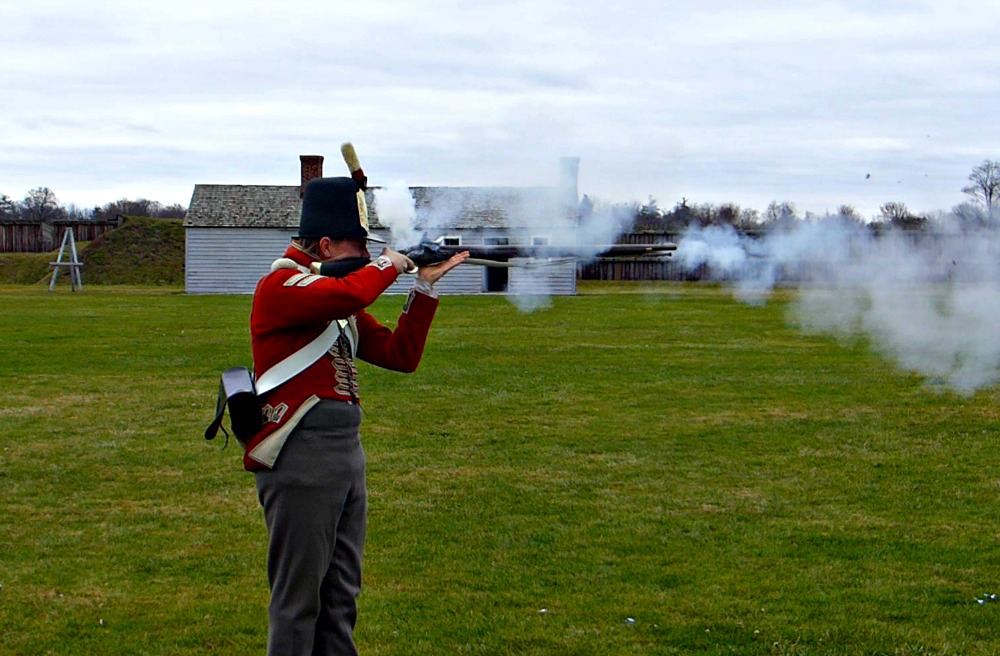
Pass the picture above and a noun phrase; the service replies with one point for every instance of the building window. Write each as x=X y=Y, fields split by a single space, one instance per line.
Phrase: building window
x=539 y=241
x=451 y=240
x=495 y=279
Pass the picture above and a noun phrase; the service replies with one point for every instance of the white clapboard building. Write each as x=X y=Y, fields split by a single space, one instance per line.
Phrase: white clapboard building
x=234 y=232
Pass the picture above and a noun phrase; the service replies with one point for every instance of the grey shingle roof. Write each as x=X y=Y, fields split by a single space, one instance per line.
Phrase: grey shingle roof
x=244 y=206
x=278 y=206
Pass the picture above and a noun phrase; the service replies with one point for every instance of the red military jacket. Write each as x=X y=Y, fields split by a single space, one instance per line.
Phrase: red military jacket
x=291 y=307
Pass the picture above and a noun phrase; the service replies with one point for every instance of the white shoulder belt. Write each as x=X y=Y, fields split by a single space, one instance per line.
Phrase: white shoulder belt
x=299 y=361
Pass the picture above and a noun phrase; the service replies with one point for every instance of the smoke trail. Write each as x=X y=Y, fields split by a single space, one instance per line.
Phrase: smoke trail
x=929 y=301
x=601 y=227
x=396 y=211
x=524 y=214
x=587 y=233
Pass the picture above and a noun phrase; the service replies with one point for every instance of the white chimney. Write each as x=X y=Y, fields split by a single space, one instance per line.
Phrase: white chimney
x=569 y=168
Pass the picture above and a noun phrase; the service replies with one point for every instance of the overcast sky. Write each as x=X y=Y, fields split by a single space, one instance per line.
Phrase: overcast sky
x=713 y=100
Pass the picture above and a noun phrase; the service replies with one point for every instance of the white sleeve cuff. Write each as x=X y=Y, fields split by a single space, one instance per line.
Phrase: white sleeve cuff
x=424 y=287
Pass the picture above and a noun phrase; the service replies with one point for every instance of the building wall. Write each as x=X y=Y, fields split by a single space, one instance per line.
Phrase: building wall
x=545 y=280
x=463 y=280
x=230 y=260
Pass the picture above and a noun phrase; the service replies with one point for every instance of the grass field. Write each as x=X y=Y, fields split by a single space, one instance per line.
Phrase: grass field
x=142 y=251
x=629 y=472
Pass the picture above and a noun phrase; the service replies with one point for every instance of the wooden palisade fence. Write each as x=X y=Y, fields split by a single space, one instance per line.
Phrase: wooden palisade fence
x=636 y=268
x=27 y=237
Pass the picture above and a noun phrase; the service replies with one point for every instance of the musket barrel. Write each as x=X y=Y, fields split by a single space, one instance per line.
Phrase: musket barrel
x=431 y=253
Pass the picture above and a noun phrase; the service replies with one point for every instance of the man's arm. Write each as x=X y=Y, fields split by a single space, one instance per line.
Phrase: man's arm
x=288 y=298
x=401 y=349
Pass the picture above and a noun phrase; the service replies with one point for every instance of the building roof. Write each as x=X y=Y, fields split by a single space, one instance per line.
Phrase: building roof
x=278 y=206
x=244 y=206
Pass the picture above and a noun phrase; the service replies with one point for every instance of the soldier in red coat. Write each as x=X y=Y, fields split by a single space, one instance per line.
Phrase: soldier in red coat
x=307 y=457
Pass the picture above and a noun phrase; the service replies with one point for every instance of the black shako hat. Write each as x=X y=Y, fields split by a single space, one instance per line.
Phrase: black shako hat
x=334 y=208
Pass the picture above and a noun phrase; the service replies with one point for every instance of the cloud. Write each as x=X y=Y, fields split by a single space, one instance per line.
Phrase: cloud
x=715 y=101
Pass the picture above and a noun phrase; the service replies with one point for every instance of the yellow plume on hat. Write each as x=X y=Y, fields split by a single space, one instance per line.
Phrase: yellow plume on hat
x=354 y=164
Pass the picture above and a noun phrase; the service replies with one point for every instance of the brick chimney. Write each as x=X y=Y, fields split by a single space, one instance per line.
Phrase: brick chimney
x=312 y=167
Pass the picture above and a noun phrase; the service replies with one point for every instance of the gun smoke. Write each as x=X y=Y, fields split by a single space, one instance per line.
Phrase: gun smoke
x=929 y=300
x=396 y=211
x=523 y=213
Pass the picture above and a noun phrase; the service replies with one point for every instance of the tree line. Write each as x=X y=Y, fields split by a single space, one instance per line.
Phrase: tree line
x=982 y=209
x=41 y=205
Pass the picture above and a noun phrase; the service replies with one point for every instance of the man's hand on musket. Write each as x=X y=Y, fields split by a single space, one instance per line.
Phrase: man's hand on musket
x=434 y=272
x=402 y=263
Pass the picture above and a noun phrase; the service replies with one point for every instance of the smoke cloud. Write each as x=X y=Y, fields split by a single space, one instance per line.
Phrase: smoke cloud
x=397 y=211
x=930 y=302
x=410 y=213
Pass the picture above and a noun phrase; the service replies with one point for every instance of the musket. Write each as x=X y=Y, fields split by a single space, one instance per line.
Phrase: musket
x=429 y=252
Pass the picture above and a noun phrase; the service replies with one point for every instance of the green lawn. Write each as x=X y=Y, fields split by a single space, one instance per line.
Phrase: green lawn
x=629 y=472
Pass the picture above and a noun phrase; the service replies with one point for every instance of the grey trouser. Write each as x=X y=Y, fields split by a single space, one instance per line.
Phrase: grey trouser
x=315 y=507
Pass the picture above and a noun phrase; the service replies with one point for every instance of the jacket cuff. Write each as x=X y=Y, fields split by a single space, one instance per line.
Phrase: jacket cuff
x=420 y=306
x=424 y=287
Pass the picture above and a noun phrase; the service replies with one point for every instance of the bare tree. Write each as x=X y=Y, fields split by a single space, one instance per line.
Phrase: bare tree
x=729 y=214
x=176 y=211
x=704 y=214
x=749 y=219
x=126 y=207
x=780 y=216
x=969 y=215
x=893 y=212
x=848 y=212
x=985 y=187
x=8 y=208
x=76 y=213
x=898 y=215
x=41 y=206
x=138 y=207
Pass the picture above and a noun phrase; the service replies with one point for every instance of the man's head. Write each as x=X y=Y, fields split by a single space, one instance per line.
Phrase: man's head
x=334 y=208
x=325 y=249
